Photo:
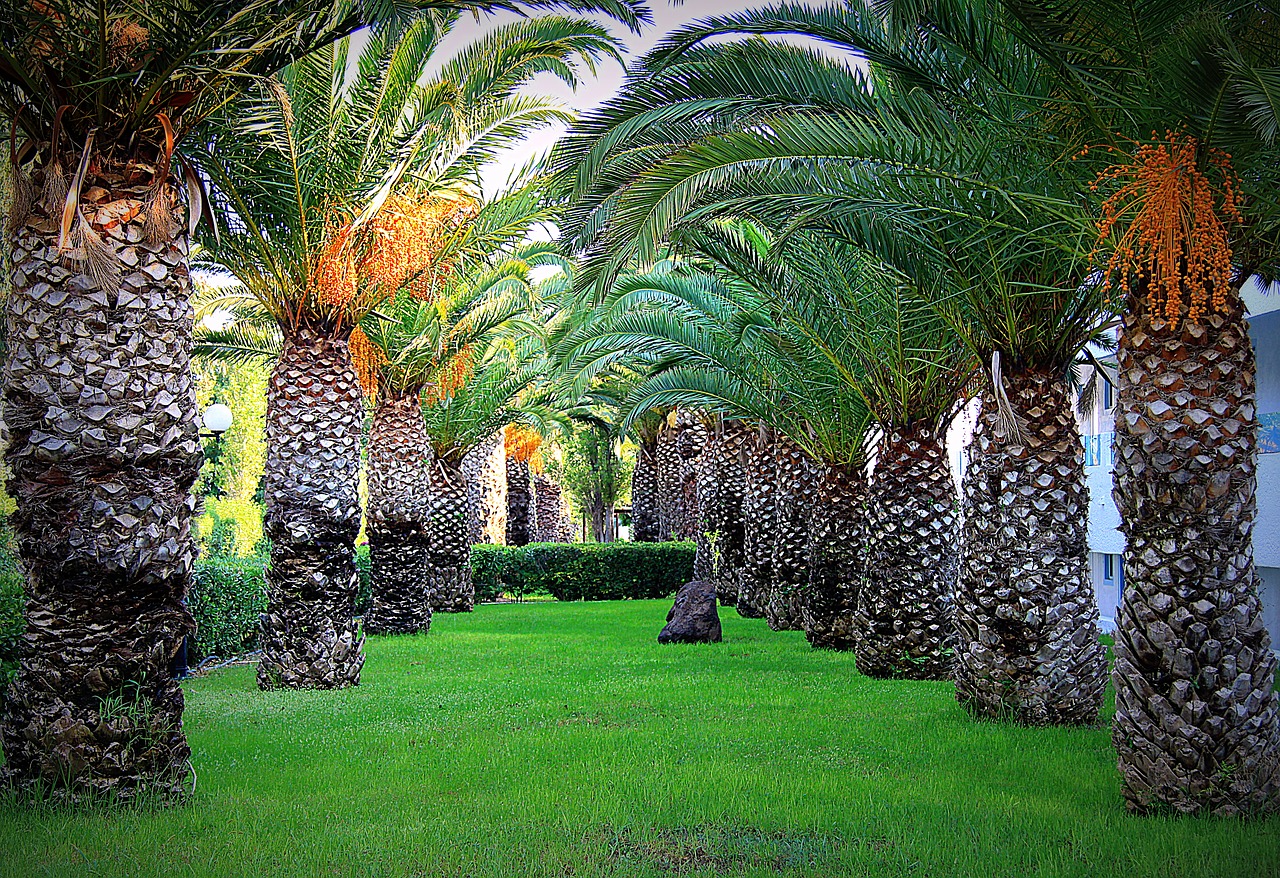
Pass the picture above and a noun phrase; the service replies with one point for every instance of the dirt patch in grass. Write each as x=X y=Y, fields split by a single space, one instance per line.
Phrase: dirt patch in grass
x=718 y=850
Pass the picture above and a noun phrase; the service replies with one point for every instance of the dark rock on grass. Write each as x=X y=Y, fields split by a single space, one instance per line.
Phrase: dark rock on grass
x=694 y=618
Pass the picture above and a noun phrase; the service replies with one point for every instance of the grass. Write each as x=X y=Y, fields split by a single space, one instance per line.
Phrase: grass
x=562 y=740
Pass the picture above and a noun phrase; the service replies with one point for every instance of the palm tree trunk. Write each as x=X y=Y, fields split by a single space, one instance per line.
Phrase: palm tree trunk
x=310 y=637
x=670 y=475
x=100 y=416
x=485 y=469
x=798 y=479
x=1026 y=614
x=721 y=487
x=553 y=523
x=905 y=622
x=837 y=545
x=691 y=443
x=449 y=585
x=521 y=510
x=399 y=508
x=759 y=511
x=645 y=517
x=1197 y=725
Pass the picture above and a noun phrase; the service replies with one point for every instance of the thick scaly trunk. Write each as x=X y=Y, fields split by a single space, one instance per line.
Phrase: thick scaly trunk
x=449 y=563
x=1026 y=614
x=521 y=509
x=669 y=467
x=310 y=637
x=905 y=624
x=837 y=545
x=100 y=410
x=399 y=508
x=485 y=470
x=552 y=520
x=758 y=514
x=721 y=487
x=798 y=480
x=1196 y=721
x=645 y=515
x=691 y=442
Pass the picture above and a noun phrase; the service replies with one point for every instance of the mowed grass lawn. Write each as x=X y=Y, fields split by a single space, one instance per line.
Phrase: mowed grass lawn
x=561 y=740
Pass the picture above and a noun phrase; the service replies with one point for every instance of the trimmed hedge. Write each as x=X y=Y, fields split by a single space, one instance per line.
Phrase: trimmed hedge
x=583 y=571
x=227 y=595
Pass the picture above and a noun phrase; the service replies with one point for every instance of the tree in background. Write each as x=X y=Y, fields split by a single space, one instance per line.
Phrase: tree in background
x=349 y=176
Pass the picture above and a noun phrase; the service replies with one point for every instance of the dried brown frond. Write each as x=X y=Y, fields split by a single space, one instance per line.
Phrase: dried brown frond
x=22 y=197
x=157 y=212
x=92 y=255
x=124 y=39
x=53 y=195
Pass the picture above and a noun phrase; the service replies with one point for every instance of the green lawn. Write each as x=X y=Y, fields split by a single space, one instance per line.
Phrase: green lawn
x=561 y=739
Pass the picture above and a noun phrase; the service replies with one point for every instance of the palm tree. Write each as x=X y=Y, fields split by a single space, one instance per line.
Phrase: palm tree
x=1196 y=727
x=878 y=167
x=347 y=181
x=645 y=526
x=103 y=445
x=414 y=343
x=717 y=343
x=490 y=389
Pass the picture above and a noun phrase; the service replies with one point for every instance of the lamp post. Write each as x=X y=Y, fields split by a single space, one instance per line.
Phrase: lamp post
x=217 y=420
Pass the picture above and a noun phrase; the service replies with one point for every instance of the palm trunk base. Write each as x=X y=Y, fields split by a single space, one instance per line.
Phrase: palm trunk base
x=905 y=619
x=452 y=589
x=310 y=638
x=1026 y=614
x=751 y=594
x=1197 y=724
x=836 y=537
x=784 y=607
x=94 y=713
x=398 y=563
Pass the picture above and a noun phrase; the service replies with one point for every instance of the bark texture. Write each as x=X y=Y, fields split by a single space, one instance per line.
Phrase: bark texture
x=521 y=507
x=1026 y=614
x=837 y=563
x=691 y=441
x=485 y=470
x=759 y=513
x=722 y=487
x=1196 y=724
x=669 y=472
x=310 y=637
x=553 y=515
x=102 y=449
x=798 y=481
x=399 y=509
x=449 y=562
x=645 y=515
x=905 y=622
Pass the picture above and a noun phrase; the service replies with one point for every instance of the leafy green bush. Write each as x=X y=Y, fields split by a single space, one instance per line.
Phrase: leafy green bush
x=227 y=595
x=583 y=571
x=231 y=529
x=12 y=598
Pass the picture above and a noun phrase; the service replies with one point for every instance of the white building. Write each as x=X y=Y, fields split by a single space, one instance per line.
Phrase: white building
x=1106 y=543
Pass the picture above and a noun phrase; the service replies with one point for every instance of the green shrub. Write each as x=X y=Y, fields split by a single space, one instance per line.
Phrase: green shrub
x=583 y=571
x=12 y=599
x=227 y=596
x=230 y=529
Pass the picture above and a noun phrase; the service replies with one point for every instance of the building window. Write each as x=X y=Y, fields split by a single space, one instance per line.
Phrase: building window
x=1109 y=568
x=1108 y=400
